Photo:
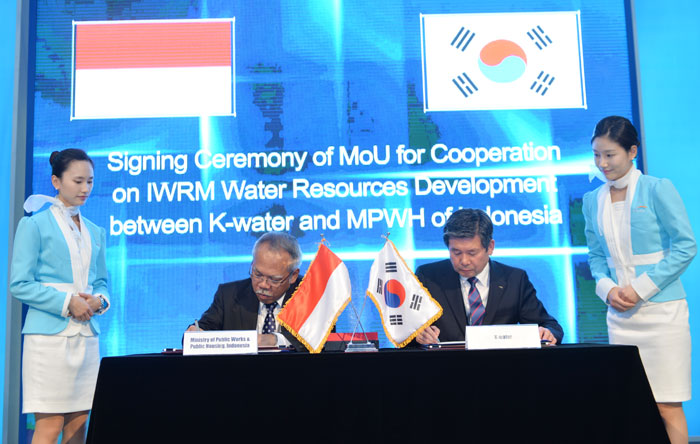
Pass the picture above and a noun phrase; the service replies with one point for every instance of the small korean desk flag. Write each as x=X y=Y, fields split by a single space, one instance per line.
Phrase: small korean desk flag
x=405 y=306
x=318 y=301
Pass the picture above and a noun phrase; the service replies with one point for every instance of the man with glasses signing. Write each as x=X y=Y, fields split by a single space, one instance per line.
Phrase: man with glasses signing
x=253 y=303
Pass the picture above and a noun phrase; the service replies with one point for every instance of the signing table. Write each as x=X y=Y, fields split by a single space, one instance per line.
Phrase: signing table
x=569 y=393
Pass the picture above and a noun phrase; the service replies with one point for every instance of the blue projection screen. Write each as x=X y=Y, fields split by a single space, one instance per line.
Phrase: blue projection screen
x=211 y=122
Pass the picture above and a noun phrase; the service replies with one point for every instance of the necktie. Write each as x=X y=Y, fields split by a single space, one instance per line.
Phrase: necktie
x=269 y=325
x=476 y=308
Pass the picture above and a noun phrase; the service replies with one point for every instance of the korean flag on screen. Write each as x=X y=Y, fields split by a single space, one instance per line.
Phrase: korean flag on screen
x=529 y=60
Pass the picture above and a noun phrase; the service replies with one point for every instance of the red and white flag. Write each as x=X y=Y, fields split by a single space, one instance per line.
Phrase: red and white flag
x=153 y=68
x=405 y=306
x=320 y=298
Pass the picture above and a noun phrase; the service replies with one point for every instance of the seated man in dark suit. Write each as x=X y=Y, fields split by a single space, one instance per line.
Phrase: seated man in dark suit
x=474 y=290
x=253 y=303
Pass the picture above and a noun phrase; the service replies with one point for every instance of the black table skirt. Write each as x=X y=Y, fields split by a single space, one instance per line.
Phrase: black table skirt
x=564 y=394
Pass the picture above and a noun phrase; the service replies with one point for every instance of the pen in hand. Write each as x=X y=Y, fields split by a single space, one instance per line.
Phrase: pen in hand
x=196 y=325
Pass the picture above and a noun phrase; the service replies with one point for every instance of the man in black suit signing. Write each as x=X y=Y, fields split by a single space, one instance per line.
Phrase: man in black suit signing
x=253 y=303
x=474 y=290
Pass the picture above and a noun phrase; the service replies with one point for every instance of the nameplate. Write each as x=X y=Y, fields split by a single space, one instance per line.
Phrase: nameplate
x=483 y=337
x=220 y=342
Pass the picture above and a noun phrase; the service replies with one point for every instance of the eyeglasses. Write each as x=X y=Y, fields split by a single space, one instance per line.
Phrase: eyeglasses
x=274 y=282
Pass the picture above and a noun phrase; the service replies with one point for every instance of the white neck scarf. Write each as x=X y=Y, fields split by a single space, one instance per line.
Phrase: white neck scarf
x=623 y=181
x=36 y=201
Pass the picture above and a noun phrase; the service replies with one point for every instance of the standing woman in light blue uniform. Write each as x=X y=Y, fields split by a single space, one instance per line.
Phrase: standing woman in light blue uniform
x=59 y=271
x=640 y=242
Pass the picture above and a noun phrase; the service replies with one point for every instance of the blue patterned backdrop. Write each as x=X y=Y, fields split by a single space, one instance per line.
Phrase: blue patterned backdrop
x=314 y=74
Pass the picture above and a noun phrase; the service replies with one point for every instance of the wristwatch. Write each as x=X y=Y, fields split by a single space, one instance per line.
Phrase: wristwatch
x=104 y=303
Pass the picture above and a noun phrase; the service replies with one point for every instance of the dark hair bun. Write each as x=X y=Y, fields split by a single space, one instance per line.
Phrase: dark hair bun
x=61 y=159
x=53 y=157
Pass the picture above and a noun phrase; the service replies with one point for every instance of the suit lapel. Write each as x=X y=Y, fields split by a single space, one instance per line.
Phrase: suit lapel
x=497 y=287
x=249 y=309
x=453 y=294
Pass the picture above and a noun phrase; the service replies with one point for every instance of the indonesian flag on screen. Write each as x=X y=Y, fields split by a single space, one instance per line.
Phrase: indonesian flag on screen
x=405 y=306
x=153 y=68
x=318 y=301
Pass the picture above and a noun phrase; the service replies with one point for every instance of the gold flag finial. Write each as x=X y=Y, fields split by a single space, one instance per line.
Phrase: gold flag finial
x=324 y=241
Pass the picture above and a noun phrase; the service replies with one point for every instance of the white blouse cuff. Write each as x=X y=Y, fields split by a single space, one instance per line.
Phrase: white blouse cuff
x=64 y=311
x=603 y=287
x=644 y=286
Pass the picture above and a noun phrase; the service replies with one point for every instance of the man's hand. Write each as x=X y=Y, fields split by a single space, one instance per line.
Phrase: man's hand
x=193 y=328
x=79 y=308
x=546 y=334
x=429 y=336
x=621 y=301
x=267 y=340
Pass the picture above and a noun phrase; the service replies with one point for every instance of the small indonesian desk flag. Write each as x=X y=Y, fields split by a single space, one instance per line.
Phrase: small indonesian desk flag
x=318 y=301
x=153 y=68
x=405 y=306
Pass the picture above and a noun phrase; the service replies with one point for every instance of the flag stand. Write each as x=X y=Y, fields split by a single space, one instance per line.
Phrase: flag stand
x=359 y=347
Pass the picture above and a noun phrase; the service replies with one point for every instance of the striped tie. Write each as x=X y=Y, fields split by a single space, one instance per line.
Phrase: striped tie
x=476 y=308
